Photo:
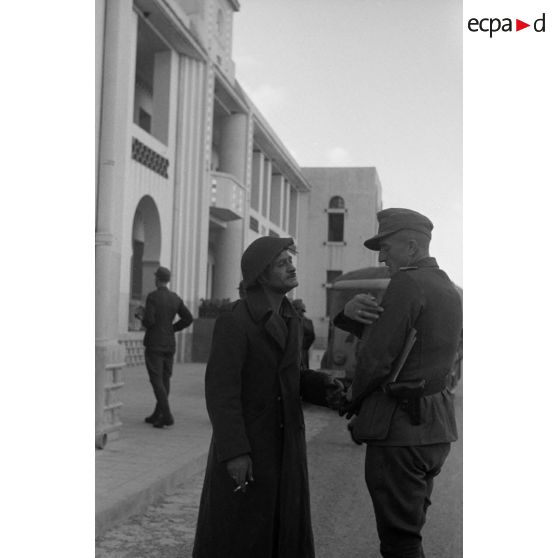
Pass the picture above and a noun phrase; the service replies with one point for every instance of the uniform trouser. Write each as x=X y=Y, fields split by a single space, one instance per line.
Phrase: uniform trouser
x=159 y=367
x=400 y=481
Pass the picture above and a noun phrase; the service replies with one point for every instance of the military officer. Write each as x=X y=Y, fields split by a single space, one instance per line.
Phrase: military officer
x=408 y=425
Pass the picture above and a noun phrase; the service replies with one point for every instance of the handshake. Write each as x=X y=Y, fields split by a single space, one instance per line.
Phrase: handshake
x=336 y=395
x=347 y=405
x=339 y=398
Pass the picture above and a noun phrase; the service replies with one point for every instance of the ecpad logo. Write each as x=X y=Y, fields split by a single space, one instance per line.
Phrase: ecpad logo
x=493 y=25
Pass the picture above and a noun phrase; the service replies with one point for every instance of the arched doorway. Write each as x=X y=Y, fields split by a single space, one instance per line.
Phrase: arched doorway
x=146 y=252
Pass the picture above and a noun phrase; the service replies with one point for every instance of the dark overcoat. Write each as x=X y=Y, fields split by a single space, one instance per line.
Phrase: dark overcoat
x=420 y=297
x=254 y=386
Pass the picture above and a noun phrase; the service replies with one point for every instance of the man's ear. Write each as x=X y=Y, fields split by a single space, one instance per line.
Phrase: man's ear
x=263 y=279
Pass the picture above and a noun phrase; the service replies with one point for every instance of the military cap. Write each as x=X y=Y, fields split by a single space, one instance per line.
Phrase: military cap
x=259 y=255
x=397 y=219
x=163 y=274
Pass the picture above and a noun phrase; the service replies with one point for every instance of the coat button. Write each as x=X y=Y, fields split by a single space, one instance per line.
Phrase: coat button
x=281 y=425
x=279 y=398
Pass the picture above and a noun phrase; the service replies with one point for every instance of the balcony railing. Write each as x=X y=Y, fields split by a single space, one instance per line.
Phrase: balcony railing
x=228 y=197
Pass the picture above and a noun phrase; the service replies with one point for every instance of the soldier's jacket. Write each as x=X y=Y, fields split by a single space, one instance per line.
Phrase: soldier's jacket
x=161 y=307
x=424 y=298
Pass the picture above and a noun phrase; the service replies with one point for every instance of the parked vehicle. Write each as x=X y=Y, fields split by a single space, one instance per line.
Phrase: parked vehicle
x=342 y=346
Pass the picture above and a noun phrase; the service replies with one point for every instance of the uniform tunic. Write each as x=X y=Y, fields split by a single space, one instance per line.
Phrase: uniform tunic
x=161 y=307
x=403 y=458
x=424 y=298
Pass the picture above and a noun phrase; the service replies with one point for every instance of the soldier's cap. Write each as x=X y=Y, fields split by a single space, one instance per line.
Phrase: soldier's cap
x=397 y=219
x=260 y=254
x=163 y=274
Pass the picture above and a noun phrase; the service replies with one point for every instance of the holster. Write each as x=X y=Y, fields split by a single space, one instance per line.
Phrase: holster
x=408 y=394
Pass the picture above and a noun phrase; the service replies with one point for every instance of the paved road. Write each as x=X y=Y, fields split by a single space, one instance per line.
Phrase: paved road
x=342 y=512
x=343 y=518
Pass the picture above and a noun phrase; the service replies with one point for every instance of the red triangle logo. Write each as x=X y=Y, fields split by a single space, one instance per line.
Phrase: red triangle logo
x=519 y=25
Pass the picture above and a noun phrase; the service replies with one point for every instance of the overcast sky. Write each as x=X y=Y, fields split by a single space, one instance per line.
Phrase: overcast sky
x=366 y=83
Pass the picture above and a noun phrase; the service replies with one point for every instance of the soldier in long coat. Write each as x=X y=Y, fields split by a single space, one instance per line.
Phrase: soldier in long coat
x=255 y=499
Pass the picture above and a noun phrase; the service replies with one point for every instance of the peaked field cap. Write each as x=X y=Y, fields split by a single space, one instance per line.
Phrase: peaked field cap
x=260 y=254
x=397 y=219
x=163 y=274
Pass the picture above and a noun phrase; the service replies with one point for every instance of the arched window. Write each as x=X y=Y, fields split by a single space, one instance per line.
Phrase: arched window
x=336 y=219
x=337 y=202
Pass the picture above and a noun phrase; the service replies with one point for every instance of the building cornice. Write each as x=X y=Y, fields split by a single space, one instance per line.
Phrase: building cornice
x=234 y=100
x=269 y=142
x=172 y=26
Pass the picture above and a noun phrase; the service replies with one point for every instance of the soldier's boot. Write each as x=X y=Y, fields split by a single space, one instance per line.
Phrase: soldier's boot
x=165 y=418
x=154 y=416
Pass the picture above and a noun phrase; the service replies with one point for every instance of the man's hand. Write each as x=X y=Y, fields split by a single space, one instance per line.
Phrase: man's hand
x=335 y=392
x=363 y=308
x=240 y=470
x=346 y=401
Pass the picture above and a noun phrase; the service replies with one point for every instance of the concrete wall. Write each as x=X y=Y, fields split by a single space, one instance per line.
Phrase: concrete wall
x=181 y=199
x=361 y=190
x=143 y=181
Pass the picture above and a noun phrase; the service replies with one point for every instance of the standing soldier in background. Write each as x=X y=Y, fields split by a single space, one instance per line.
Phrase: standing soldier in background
x=161 y=307
x=255 y=500
x=407 y=424
x=308 y=335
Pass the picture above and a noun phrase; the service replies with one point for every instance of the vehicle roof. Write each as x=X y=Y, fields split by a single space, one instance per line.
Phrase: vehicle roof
x=364 y=276
x=364 y=273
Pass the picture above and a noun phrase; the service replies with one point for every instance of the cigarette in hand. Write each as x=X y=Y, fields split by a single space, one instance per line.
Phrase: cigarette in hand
x=241 y=486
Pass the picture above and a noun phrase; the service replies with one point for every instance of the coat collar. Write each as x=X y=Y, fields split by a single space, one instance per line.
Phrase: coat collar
x=427 y=262
x=259 y=308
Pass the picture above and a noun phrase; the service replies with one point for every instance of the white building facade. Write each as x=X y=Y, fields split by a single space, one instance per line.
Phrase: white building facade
x=339 y=215
x=188 y=173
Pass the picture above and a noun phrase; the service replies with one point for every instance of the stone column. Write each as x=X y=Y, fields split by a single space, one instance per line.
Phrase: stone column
x=293 y=213
x=286 y=206
x=114 y=154
x=234 y=144
x=276 y=199
x=258 y=165
x=99 y=49
x=190 y=229
x=232 y=160
x=266 y=198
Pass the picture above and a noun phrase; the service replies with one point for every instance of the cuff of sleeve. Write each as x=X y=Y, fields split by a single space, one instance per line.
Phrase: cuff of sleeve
x=228 y=453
